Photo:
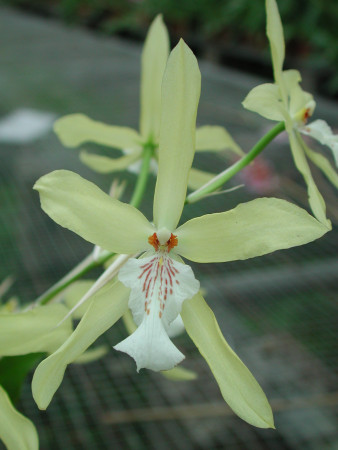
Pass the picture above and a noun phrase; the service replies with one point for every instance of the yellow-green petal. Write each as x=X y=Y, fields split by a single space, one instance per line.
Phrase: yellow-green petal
x=79 y=205
x=299 y=100
x=180 y=95
x=274 y=31
x=179 y=373
x=214 y=139
x=76 y=129
x=251 y=229
x=316 y=200
x=73 y=295
x=107 y=307
x=265 y=100
x=198 y=178
x=16 y=431
x=34 y=331
x=92 y=354
x=105 y=164
x=154 y=59
x=238 y=386
x=323 y=164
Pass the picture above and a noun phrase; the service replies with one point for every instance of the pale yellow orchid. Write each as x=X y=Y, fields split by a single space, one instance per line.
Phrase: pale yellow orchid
x=158 y=287
x=21 y=333
x=286 y=101
x=16 y=431
x=77 y=129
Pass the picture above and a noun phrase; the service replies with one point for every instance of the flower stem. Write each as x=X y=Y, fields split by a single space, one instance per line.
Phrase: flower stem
x=89 y=262
x=228 y=173
x=141 y=183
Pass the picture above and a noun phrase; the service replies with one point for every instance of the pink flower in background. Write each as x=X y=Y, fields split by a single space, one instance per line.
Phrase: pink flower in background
x=260 y=177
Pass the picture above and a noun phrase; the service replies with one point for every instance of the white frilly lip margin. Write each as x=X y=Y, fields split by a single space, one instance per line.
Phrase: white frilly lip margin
x=322 y=132
x=159 y=285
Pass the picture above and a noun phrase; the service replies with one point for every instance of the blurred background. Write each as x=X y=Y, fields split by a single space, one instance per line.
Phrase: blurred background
x=230 y=32
x=278 y=312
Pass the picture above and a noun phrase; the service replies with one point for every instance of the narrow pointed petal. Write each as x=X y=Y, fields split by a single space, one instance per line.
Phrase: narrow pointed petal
x=79 y=205
x=33 y=331
x=154 y=59
x=238 y=387
x=214 y=139
x=316 y=200
x=251 y=229
x=198 y=178
x=298 y=99
x=76 y=129
x=321 y=131
x=323 y=164
x=180 y=95
x=16 y=431
x=107 y=307
x=92 y=354
x=179 y=374
x=274 y=31
x=159 y=285
x=265 y=100
x=104 y=164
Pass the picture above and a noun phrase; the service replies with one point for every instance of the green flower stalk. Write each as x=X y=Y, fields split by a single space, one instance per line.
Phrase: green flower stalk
x=158 y=287
x=286 y=101
x=77 y=129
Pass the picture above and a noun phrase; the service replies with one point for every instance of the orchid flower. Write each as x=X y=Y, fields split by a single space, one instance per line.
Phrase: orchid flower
x=286 y=101
x=158 y=287
x=77 y=129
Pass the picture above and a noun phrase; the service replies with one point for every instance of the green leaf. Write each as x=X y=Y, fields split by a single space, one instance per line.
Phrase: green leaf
x=238 y=387
x=13 y=371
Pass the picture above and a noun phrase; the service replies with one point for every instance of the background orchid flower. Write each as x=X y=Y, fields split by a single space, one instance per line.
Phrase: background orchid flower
x=158 y=286
x=77 y=129
x=286 y=101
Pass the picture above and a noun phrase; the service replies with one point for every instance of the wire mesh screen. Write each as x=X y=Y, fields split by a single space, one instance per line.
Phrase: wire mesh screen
x=278 y=312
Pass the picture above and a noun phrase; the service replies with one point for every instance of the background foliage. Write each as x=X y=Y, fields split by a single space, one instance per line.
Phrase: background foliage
x=213 y=27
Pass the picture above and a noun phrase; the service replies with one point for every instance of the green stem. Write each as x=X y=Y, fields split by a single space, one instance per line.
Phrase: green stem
x=228 y=173
x=142 y=179
x=81 y=269
x=89 y=263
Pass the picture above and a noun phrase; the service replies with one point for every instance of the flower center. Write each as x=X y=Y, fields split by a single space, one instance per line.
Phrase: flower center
x=305 y=113
x=160 y=245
